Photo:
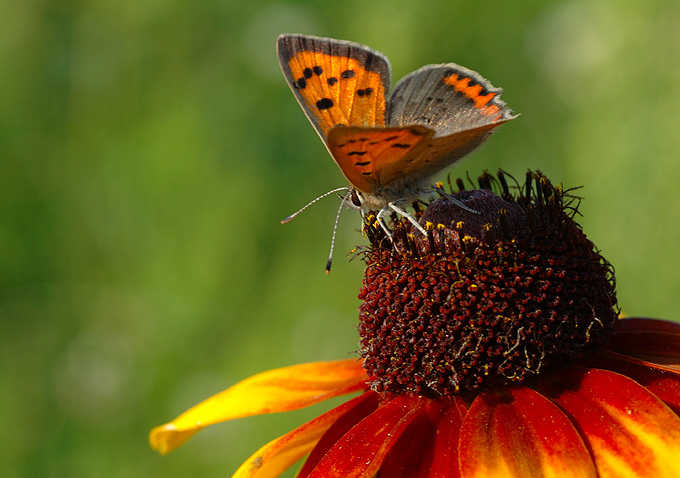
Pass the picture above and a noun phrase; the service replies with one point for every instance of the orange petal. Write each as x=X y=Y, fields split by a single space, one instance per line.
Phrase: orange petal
x=278 y=390
x=361 y=451
x=278 y=455
x=655 y=343
x=629 y=431
x=516 y=432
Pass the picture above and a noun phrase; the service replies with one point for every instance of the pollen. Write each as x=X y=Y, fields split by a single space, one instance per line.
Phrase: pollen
x=495 y=294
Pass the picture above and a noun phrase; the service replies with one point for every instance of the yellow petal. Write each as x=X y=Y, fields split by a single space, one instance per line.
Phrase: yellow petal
x=278 y=390
x=278 y=455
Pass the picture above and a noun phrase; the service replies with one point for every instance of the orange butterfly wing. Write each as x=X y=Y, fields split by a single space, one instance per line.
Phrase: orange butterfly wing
x=387 y=148
x=336 y=82
x=372 y=157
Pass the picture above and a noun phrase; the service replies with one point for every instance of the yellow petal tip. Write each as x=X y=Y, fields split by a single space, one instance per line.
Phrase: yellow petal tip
x=166 y=438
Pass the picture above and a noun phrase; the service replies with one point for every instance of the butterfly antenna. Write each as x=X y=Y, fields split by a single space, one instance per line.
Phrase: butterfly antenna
x=455 y=201
x=292 y=216
x=335 y=230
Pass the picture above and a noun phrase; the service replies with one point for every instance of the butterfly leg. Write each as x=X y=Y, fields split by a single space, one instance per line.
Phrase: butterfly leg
x=403 y=213
x=379 y=218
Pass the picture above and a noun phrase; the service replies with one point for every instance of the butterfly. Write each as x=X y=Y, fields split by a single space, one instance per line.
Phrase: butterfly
x=388 y=147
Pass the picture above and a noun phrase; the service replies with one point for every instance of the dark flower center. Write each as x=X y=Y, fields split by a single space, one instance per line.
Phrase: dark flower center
x=494 y=294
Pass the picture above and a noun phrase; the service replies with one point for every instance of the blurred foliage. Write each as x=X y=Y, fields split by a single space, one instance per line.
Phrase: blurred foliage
x=148 y=151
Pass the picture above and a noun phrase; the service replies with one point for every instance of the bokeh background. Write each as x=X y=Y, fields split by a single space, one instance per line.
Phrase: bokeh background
x=149 y=149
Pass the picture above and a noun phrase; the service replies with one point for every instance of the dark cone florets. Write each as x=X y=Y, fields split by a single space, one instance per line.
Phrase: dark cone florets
x=494 y=294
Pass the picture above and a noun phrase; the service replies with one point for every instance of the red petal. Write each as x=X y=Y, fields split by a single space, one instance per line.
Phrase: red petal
x=429 y=447
x=633 y=324
x=629 y=431
x=664 y=385
x=369 y=403
x=361 y=451
x=655 y=343
x=515 y=432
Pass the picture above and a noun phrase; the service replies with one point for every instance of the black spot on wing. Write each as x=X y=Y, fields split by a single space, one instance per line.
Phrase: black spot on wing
x=391 y=138
x=347 y=74
x=332 y=80
x=317 y=70
x=362 y=163
x=365 y=92
x=324 y=103
x=367 y=173
x=307 y=72
x=300 y=84
x=356 y=153
x=401 y=145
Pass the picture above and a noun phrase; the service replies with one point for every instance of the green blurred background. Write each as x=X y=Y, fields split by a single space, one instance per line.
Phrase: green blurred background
x=149 y=150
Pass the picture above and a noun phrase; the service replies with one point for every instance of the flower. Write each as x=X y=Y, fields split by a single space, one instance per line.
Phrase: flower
x=491 y=348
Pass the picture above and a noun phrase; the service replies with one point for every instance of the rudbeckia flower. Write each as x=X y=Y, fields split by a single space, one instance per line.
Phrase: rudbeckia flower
x=491 y=347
